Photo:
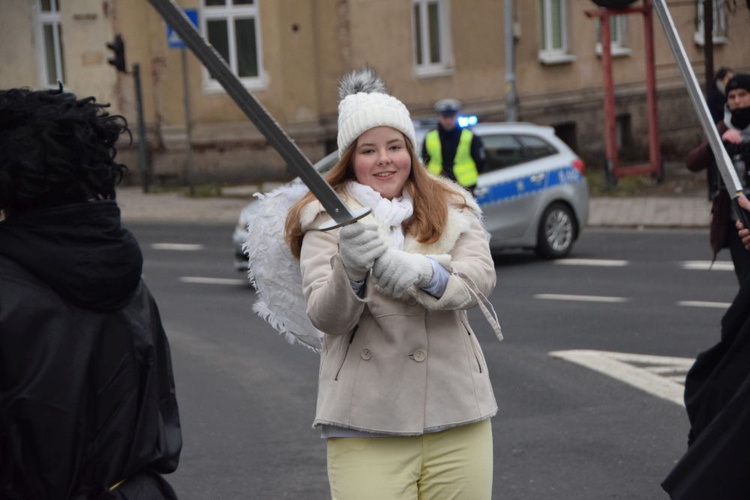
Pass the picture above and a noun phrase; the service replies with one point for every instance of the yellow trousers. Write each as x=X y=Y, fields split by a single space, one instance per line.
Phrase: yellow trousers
x=455 y=464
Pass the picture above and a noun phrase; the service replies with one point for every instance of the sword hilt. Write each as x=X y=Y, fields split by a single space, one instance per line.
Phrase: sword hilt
x=333 y=223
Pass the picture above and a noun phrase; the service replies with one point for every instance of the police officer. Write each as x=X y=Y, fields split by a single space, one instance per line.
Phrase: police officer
x=454 y=152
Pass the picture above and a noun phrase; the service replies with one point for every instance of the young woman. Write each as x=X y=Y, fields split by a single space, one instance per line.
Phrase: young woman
x=404 y=397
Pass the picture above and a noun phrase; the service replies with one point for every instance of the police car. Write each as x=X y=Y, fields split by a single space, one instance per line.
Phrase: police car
x=532 y=191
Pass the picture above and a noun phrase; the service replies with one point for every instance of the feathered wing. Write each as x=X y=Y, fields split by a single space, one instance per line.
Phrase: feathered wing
x=275 y=273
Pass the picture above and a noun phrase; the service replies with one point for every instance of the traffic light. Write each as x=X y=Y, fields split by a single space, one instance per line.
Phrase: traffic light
x=118 y=59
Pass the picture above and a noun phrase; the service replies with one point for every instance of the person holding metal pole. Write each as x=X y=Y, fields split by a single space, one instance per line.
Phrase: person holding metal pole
x=404 y=396
x=734 y=130
x=87 y=396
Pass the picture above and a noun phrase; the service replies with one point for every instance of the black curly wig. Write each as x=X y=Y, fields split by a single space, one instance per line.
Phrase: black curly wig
x=56 y=149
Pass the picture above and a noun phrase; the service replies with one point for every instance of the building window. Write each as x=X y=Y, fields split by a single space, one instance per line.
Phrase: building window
x=432 y=42
x=232 y=28
x=52 y=62
x=618 y=34
x=553 y=32
x=719 y=24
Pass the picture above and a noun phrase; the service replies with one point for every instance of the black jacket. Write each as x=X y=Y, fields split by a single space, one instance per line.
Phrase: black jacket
x=717 y=399
x=87 y=395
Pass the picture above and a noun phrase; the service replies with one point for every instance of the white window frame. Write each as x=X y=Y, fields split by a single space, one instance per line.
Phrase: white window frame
x=547 y=53
x=720 y=23
x=231 y=13
x=444 y=65
x=43 y=19
x=618 y=31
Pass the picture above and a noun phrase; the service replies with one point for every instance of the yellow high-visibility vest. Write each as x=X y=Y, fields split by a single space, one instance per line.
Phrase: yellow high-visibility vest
x=464 y=168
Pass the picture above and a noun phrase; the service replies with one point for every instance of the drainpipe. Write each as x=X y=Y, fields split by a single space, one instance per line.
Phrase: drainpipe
x=511 y=111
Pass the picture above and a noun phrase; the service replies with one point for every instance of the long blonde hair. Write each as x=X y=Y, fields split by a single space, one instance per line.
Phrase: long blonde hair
x=430 y=196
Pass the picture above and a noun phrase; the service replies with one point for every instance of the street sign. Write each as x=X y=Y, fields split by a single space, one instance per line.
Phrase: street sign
x=173 y=39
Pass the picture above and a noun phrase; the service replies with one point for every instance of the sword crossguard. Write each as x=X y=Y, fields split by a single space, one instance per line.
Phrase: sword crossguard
x=333 y=223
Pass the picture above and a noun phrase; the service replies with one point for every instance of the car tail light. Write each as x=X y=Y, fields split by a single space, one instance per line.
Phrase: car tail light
x=579 y=165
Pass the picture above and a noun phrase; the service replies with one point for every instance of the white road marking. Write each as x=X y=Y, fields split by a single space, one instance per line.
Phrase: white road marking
x=699 y=303
x=179 y=247
x=212 y=281
x=592 y=262
x=705 y=265
x=579 y=298
x=638 y=370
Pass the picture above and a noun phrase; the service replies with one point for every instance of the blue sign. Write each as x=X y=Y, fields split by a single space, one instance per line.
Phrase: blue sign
x=173 y=39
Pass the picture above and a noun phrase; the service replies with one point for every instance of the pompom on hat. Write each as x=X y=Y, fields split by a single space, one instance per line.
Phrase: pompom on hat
x=365 y=104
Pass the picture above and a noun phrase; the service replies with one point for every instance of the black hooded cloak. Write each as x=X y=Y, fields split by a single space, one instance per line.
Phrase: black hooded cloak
x=87 y=396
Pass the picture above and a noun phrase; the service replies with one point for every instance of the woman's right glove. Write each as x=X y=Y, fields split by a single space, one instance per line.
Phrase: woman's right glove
x=359 y=246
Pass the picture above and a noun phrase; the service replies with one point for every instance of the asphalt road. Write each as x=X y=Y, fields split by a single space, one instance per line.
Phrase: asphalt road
x=587 y=379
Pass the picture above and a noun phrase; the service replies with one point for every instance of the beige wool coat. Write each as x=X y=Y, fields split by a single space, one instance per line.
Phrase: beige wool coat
x=400 y=367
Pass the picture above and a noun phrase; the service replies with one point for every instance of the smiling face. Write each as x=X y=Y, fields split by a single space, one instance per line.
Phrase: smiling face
x=382 y=161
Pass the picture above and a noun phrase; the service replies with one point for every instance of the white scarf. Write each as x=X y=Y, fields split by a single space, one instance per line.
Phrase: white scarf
x=389 y=213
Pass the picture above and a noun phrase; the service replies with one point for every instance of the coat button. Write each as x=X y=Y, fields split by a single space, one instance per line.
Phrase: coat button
x=366 y=354
x=419 y=355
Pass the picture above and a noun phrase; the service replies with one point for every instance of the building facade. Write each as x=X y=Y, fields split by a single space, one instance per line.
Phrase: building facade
x=290 y=55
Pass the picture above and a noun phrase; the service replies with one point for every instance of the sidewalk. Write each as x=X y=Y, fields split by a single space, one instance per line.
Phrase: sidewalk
x=639 y=212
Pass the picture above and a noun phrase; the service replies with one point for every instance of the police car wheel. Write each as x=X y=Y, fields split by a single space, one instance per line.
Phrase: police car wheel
x=557 y=231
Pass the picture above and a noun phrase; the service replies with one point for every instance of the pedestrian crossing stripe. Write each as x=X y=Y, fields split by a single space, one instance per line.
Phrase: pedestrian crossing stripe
x=661 y=376
x=707 y=265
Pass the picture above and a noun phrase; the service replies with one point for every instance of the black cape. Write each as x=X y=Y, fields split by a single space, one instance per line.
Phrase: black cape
x=87 y=397
x=717 y=399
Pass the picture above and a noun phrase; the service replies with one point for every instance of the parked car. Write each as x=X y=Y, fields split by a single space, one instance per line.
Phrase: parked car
x=532 y=191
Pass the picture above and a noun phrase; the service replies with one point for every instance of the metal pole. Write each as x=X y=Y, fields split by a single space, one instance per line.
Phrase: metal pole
x=142 y=139
x=265 y=123
x=654 y=147
x=511 y=99
x=610 y=119
x=188 y=123
x=708 y=42
x=723 y=162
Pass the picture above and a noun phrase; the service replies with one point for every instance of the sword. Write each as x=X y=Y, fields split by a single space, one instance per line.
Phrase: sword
x=297 y=161
x=723 y=162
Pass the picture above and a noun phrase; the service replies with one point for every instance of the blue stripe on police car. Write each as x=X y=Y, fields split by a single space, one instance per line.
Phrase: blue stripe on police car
x=528 y=185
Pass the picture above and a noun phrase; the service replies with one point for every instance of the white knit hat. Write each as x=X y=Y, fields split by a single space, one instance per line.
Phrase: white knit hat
x=365 y=104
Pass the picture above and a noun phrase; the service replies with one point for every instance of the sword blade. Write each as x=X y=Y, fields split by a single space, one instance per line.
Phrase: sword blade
x=726 y=167
x=254 y=110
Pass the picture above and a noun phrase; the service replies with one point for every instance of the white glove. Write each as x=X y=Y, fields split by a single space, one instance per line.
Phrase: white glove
x=359 y=246
x=397 y=270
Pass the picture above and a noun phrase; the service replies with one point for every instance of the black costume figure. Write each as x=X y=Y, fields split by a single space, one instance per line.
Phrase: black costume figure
x=717 y=399
x=87 y=396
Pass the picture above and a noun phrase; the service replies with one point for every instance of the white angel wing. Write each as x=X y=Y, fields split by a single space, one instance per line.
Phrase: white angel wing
x=275 y=273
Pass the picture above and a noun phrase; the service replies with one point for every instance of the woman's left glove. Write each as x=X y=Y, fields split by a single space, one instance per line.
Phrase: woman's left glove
x=397 y=270
x=359 y=246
